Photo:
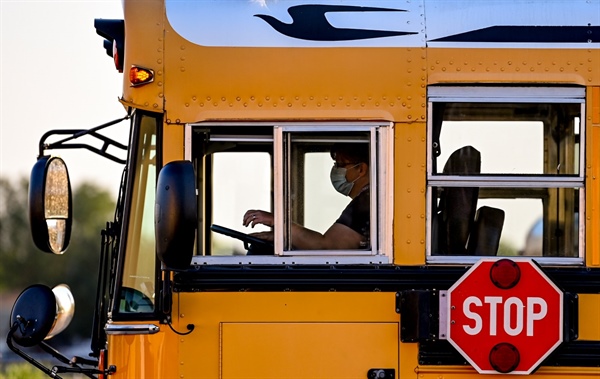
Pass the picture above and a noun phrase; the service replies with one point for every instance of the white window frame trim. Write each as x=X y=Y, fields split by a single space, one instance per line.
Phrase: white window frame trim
x=490 y=94
x=381 y=137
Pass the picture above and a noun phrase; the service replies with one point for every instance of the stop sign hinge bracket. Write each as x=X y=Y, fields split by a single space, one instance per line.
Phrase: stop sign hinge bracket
x=570 y=316
x=419 y=313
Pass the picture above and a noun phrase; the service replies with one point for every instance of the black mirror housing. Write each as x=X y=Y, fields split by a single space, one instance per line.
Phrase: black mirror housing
x=175 y=214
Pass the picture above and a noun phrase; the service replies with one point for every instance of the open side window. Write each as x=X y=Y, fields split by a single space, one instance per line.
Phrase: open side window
x=284 y=171
x=505 y=173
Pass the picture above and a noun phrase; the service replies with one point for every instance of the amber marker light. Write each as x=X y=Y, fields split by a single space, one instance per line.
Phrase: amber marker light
x=139 y=76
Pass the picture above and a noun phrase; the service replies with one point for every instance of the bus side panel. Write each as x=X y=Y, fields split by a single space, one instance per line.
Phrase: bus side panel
x=552 y=66
x=144 y=356
x=288 y=334
x=593 y=178
x=409 y=193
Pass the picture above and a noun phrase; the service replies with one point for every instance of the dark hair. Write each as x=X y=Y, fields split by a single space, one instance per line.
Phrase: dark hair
x=355 y=152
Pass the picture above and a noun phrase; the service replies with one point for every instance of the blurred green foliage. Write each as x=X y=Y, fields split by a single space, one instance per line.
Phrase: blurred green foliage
x=22 y=264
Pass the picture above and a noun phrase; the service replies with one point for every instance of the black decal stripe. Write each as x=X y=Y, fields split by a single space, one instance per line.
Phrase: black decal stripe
x=309 y=23
x=531 y=34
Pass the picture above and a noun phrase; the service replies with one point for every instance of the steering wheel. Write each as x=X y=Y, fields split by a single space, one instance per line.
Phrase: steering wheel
x=255 y=246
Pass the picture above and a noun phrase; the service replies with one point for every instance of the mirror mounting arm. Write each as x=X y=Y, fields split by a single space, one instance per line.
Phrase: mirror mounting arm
x=76 y=133
x=53 y=373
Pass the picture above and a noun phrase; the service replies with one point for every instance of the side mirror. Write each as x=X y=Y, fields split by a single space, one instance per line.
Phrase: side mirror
x=41 y=313
x=50 y=214
x=175 y=215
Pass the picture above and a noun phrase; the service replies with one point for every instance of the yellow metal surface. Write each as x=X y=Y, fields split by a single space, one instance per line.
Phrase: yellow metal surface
x=255 y=327
x=592 y=165
x=589 y=317
x=485 y=65
x=334 y=350
x=409 y=193
x=173 y=144
x=145 y=356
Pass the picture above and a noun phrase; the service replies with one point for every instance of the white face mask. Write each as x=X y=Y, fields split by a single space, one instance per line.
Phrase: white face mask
x=339 y=182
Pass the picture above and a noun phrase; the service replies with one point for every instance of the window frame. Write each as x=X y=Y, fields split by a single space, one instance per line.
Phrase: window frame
x=381 y=252
x=495 y=94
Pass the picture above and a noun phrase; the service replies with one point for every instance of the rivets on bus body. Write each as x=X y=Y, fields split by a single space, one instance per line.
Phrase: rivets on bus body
x=182 y=58
x=160 y=94
x=289 y=105
x=182 y=69
x=187 y=104
x=238 y=98
x=318 y=104
x=408 y=242
x=223 y=98
x=252 y=98
x=201 y=104
x=267 y=98
x=159 y=84
x=409 y=117
x=408 y=215
x=443 y=68
x=182 y=47
x=146 y=104
x=159 y=61
x=458 y=69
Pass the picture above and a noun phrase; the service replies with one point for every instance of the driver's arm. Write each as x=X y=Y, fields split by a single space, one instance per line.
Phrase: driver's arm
x=337 y=237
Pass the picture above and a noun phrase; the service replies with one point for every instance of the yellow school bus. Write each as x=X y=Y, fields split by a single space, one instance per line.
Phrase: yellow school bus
x=460 y=237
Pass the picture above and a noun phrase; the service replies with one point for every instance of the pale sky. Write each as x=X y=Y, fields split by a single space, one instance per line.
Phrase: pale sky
x=55 y=74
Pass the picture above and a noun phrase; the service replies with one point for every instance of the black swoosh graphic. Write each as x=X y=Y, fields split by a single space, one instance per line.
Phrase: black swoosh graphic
x=523 y=34
x=309 y=23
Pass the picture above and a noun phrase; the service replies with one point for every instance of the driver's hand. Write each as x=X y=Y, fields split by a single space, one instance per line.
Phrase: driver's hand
x=255 y=216
x=266 y=236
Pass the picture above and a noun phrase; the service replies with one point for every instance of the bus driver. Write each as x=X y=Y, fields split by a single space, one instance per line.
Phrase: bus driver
x=350 y=177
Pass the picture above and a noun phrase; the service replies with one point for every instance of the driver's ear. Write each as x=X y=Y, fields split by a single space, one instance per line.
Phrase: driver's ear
x=363 y=168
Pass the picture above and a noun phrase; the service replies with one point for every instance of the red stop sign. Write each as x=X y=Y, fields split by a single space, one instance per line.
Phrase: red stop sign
x=503 y=311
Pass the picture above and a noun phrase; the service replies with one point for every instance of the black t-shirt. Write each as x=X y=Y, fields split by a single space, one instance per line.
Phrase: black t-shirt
x=356 y=215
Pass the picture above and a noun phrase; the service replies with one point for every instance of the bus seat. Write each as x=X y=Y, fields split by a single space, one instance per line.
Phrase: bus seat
x=456 y=211
x=458 y=227
x=485 y=236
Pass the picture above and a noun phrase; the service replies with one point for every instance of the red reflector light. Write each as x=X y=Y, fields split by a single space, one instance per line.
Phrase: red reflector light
x=505 y=274
x=102 y=363
x=139 y=76
x=117 y=57
x=504 y=357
